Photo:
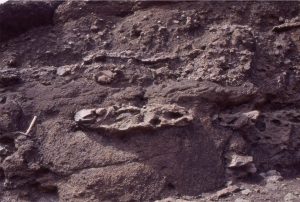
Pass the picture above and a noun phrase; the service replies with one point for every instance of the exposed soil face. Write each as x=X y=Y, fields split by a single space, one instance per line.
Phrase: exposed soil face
x=140 y=101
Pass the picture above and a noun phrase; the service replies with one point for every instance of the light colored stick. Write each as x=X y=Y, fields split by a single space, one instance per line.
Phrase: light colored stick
x=31 y=125
x=29 y=128
x=286 y=26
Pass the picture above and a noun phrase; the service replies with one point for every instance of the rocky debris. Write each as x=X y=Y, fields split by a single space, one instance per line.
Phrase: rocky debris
x=232 y=56
x=269 y=129
x=171 y=199
x=18 y=164
x=180 y=199
x=102 y=56
x=273 y=179
x=290 y=197
x=105 y=77
x=238 y=120
x=11 y=60
x=271 y=187
x=95 y=57
x=9 y=78
x=260 y=191
x=273 y=173
x=275 y=130
x=272 y=176
x=124 y=118
x=226 y=191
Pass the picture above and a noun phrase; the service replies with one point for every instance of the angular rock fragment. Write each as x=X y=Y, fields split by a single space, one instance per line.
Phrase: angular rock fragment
x=226 y=191
x=63 y=71
x=239 y=165
x=238 y=161
x=239 y=120
x=227 y=60
x=85 y=116
x=105 y=77
x=246 y=192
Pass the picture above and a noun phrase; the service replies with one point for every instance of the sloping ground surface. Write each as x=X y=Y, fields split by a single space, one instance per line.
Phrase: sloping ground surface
x=138 y=101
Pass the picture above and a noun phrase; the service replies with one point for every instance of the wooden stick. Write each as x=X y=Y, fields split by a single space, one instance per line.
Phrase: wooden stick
x=31 y=125
x=286 y=26
x=29 y=128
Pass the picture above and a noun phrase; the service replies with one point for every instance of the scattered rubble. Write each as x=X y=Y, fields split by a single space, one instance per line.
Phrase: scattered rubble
x=272 y=176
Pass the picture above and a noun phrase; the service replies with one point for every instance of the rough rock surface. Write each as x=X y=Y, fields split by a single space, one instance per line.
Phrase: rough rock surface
x=140 y=101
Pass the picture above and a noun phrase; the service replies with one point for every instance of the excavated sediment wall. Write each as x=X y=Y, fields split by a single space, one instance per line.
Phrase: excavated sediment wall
x=136 y=101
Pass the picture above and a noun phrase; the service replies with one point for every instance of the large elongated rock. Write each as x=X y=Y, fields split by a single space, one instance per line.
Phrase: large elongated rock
x=189 y=90
x=126 y=118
